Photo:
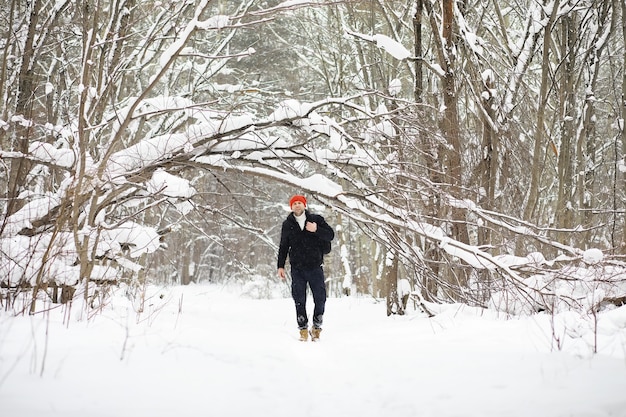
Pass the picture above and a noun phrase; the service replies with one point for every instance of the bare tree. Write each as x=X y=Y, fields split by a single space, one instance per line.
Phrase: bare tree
x=432 y=166
x=622 y=129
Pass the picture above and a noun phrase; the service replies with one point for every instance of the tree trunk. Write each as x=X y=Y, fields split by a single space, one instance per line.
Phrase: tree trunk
x=565 y=203
x=536 y=170
x=623 y=128
x=417 y=46
x=432 y=209
x=587 y=145
x=451 y=132
x=346 y=282
x=25 y=97
x=489 y=164
x=394 y=305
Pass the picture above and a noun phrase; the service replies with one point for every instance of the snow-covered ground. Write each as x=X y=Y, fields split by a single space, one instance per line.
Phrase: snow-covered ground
x=210 y=351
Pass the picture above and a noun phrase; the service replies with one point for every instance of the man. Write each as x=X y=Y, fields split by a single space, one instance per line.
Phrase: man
x=303 y=237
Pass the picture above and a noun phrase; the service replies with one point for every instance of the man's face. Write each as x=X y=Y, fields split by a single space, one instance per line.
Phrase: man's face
x=298 y=208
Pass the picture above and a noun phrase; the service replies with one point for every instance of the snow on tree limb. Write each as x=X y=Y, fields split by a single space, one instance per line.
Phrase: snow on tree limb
x=205 y=143
x=290 y=5
x=385 y=215
x=391 y=46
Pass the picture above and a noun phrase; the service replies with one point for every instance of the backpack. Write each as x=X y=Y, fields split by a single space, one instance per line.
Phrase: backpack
x=326 y=247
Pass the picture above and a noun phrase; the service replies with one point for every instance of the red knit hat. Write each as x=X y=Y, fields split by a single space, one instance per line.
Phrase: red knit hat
x=299 y=198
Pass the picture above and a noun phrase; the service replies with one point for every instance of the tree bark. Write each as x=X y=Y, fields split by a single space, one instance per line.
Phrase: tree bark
x=451 y=132
x=565 y=206
x=536 y=170
x=25 y=97
x=489 y=164
x=622 y=127
x=433 y=207
x=394 y=306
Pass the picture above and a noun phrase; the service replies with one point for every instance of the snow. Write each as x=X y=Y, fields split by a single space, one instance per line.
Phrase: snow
x=170 y=52
x=593 y=256
x=321 y=183
x=47 y=153
x=387 y=44
x=170 y=185
x=290 y=109
x=215 y=22
x=214 y=350
x=549 y=291
x=21 y=120
x=290 y=3
x=140 y=239
x=395 y=87
x=392 y=47
x=201 y=350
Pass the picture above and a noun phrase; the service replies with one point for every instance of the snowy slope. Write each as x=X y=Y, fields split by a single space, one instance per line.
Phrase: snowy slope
x=207 y=351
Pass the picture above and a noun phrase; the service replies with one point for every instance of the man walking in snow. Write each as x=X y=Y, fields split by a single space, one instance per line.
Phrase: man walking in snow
x=303 y=237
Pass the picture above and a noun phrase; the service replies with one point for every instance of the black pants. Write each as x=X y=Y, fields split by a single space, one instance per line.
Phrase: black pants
x=299 y=280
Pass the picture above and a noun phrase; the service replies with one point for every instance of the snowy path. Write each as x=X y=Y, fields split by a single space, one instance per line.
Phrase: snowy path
x=231 y=356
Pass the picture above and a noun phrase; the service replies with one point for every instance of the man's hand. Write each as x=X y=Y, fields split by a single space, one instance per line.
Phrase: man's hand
x=311 y=227
x=281 y=273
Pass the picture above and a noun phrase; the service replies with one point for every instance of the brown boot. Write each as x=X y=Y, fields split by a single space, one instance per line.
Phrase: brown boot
x=304 y=335
x=315 y=333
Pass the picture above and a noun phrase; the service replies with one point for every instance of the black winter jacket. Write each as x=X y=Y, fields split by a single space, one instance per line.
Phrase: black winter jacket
x=305 y=249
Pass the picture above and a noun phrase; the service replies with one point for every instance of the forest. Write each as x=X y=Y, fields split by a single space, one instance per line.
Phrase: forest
x=464 y=151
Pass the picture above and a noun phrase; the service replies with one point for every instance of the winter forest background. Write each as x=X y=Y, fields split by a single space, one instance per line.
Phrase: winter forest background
x=468 y=151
